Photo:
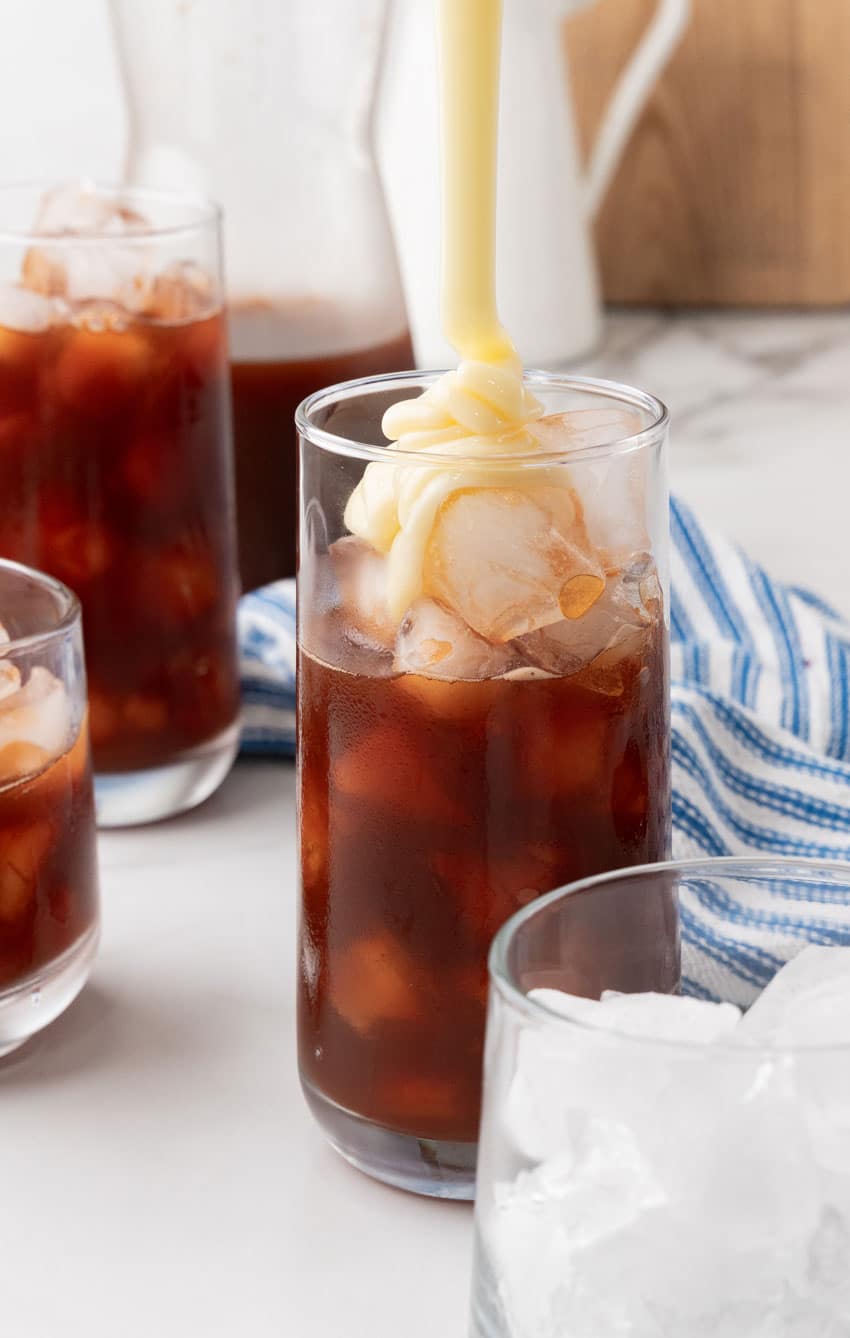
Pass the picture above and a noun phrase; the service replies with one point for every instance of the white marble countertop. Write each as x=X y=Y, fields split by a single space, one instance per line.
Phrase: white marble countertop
x=159 y=1171
x=760 y=439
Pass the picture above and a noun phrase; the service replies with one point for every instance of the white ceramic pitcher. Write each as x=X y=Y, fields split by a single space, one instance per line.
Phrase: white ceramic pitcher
x=547 y=281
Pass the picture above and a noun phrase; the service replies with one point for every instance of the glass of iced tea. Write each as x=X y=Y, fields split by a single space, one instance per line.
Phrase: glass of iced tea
x=504 y=734
x=115 y=459
x=48 y=865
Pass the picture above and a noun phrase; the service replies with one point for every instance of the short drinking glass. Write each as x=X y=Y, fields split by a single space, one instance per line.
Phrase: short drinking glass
x=48 y=864
x=690 y=1178
x=508 y=732
x=116 y=471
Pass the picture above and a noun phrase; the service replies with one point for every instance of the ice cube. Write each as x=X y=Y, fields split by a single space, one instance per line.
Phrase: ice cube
x=615 y=622
x=99 y=371
x=146 y=713
x=79 y=209
x=21 y=759
x=88 y=270
x=384 y=768
x=568 y=1074
x=374 y=980
x=496 y=558
x=314 y=832
x=24 y=311
x=43 y=273
x=578 y=429
x=87 y=273
x=360 y=577
x=710 y=1151
x=437 y=643
x=99 y=315
x=39 y=713
x=442 y=698
x=151 y=468
x=80 y=552
x=10 y=676
x=806 y=1003
x=487 y=889
x=181 y=292
x=541 y=1226
x=563 y=506
x=572 y=759
x=22 y=850
x=672 y=1280
x=614 y=497
x=746 y=1174
x=180 y=583
x=806 y=1007
x=660 y=1017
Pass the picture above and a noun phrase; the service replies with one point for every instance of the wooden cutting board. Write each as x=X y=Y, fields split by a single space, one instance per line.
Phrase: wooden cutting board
x=735 y=187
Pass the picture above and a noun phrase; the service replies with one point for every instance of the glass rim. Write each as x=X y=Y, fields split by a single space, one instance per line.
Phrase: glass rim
x=501 y=979
x=420 y=380
x=207 y=212
x=69 y=614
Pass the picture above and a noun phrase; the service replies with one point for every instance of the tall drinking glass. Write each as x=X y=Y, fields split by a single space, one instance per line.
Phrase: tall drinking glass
x=690 y=1183
x=116 y=471
x=49 y=910
x=507 y=731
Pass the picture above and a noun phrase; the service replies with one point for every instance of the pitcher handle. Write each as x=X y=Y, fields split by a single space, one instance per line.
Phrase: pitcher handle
x=630 y=93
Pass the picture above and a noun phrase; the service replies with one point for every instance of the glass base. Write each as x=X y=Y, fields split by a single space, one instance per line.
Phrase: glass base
x=423 y=1166
x=38 y=1000
x=128 y=798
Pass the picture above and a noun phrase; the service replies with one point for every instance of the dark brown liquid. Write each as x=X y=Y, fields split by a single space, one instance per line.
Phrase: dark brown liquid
x=116 y=478
x=48 y=864
x=430 y=812
x=265 y=396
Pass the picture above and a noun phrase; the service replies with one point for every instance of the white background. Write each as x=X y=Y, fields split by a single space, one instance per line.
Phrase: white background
x=61 y=113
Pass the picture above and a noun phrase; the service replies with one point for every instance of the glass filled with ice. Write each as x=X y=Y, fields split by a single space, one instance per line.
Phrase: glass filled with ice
x=665 y=1142
x=115 y=458
x=483 y=715
x=49 y=919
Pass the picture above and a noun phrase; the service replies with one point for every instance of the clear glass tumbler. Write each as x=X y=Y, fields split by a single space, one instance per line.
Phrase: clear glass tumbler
x=116 y=471
x=49 y=910
x=694 y=1185
x=508 y=731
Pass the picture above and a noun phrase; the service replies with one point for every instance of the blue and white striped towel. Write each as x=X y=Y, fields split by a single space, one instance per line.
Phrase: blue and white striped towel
x=761 y=737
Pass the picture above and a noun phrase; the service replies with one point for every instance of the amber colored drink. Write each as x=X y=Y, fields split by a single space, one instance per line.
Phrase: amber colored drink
x=430 y=811
x=266 y=392
x=48 y=868
x=115 y=475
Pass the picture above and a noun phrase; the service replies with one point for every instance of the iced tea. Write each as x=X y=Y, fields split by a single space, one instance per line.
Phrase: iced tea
x=48 y=862
x=116 y=475
x=48 y=866
x=431 y=811
x=483 y=717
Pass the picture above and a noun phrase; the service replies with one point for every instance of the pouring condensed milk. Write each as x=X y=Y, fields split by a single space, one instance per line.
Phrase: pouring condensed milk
x=481 y=409
x=482 y=685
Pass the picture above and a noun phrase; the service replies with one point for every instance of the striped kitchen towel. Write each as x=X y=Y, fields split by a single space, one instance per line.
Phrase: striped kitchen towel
x=761 y=716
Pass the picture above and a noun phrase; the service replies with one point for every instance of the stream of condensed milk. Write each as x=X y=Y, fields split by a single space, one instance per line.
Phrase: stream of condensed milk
x=480 y=409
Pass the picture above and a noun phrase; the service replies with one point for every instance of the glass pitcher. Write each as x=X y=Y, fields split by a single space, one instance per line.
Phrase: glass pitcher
x=267 y=106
